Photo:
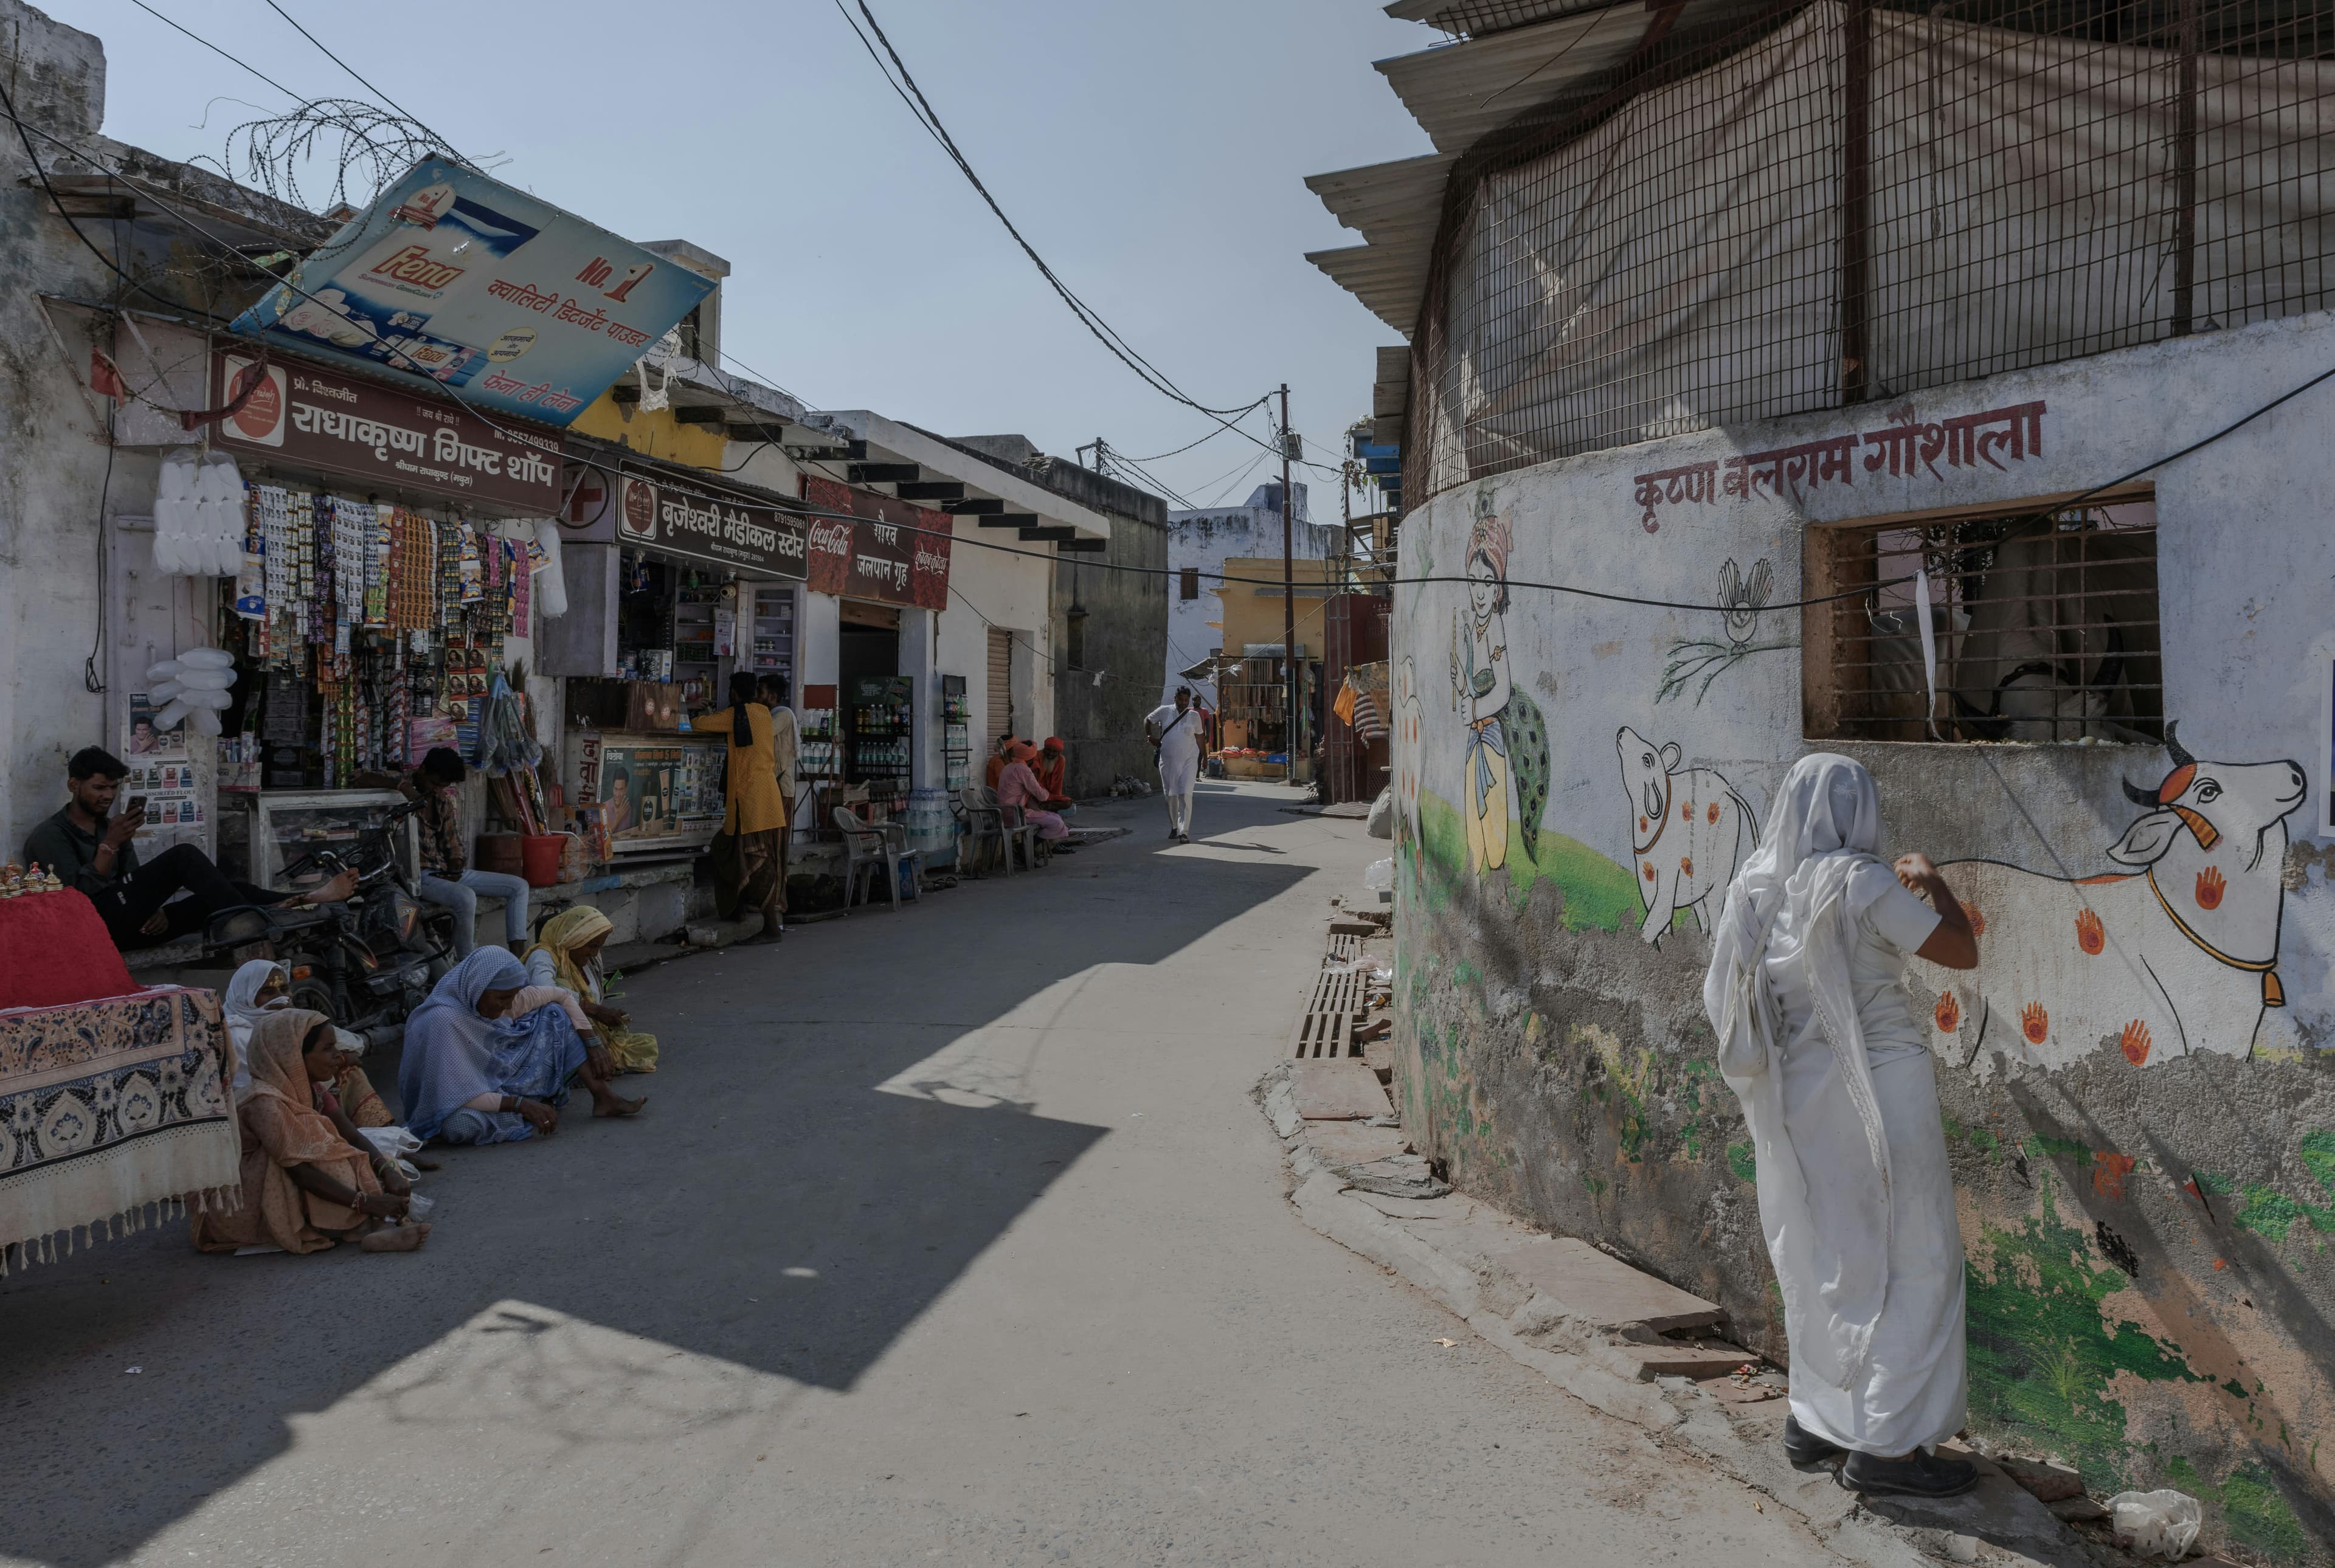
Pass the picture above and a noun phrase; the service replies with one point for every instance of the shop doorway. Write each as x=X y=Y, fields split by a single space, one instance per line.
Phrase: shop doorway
x=878 y=720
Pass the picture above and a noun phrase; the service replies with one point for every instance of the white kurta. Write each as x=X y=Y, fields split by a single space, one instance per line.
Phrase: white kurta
x=1908 y=1390
x=1179 y=747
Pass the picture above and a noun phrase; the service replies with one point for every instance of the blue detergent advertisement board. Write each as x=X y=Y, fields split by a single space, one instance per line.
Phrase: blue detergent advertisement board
x=462 y=280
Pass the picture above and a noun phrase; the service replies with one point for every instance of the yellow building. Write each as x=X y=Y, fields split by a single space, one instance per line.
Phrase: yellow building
x=1251 y=676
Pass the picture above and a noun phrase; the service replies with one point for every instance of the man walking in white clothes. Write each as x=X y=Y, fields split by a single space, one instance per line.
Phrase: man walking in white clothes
x=1175 y=730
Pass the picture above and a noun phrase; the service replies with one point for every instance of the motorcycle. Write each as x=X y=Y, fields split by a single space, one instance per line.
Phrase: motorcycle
x=365 y=964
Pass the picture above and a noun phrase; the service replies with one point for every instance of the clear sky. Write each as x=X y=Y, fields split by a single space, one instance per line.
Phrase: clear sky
x=1153 y=153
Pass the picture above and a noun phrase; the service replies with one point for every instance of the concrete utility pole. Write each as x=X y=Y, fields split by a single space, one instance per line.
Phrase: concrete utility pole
x=1288 y=583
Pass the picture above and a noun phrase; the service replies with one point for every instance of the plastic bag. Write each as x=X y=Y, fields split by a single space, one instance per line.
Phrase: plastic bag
x=172 y=715
x=217 y=702
x=1380 y=874
x=2160 y=1524
x=205 y=658
x=162 y=693
x=393 y=1142
x=167 y=670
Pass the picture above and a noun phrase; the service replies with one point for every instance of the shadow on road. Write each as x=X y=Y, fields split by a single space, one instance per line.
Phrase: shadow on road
x=772 y=1209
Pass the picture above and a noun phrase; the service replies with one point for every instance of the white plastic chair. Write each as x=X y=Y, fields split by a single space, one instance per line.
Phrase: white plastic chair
x=984 y=822
x=871 y=849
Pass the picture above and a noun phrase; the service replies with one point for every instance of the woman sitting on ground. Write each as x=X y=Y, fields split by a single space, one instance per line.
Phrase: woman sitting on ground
x=488 y=1061
x=309 y=1178
x=261 y=988
x=1017 y=786
x=567 y=953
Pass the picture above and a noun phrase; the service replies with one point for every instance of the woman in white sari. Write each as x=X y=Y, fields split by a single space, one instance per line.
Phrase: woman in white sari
x=1817 y=1038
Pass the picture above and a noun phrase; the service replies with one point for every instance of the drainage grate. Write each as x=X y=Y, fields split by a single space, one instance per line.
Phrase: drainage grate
x=1327 y=1026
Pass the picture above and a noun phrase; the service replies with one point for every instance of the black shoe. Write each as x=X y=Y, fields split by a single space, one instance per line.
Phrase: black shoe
x=1917 y=1475
x=1803 y=1447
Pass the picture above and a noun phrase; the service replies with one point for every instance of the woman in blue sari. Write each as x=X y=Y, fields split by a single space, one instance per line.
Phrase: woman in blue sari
x=471 y=1075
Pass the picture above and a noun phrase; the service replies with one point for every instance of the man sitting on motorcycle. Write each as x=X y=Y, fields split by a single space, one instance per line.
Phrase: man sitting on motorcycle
x=446 y=877
x=90 y=847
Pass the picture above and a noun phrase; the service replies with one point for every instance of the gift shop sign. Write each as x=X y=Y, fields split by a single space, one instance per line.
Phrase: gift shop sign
x=680 y=521
x=304 y=417
x=888 y=550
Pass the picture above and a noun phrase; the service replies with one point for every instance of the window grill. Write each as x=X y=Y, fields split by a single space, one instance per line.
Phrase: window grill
x=2045 y=625
x=1851 y=200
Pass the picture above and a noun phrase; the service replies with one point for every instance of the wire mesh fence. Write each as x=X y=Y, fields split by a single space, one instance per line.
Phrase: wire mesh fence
x=1819 y=205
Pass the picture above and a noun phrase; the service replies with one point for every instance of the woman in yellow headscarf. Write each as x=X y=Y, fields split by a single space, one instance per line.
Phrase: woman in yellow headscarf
x=567 y=953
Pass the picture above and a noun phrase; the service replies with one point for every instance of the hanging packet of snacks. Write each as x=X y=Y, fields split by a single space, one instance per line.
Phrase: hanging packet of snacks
x=377 y=545
x=474 y=581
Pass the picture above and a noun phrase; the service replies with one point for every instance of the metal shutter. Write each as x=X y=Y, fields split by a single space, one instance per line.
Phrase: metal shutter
x=1001 y=684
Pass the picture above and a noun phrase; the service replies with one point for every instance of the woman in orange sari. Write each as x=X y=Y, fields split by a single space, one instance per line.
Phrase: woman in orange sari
x=308 y=1181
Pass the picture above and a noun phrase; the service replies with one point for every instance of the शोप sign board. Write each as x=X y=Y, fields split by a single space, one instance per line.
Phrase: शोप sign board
x=307 y=416
x=892 y=551
x=519 y=307
x=681 y=521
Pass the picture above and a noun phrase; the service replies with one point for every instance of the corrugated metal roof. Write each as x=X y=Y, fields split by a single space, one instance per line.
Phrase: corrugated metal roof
x=1458 y=93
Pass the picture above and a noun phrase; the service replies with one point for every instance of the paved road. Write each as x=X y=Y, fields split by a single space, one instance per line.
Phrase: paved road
x=950 y=1236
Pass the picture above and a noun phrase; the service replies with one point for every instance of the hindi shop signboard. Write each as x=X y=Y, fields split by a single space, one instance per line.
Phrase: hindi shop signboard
x=892 y=551
x=727 y=532
x=307 y=417
x=462 y=280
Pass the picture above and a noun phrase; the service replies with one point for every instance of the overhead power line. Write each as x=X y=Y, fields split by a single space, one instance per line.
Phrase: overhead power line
x=361 y=81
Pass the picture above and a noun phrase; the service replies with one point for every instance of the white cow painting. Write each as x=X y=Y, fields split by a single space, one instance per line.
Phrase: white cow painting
x=2177 y=955
x=1691 y=830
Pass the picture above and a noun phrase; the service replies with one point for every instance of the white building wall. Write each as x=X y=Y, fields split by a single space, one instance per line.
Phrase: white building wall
x=1206 y=539
x=1013 y=592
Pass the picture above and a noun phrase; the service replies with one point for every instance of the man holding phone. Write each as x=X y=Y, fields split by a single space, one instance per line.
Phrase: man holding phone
x=90 y=848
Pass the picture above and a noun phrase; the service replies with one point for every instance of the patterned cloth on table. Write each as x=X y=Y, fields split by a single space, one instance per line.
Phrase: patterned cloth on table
x=107 y=1106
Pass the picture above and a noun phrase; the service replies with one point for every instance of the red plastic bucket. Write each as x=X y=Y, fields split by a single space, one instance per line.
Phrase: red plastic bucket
x=539 y=854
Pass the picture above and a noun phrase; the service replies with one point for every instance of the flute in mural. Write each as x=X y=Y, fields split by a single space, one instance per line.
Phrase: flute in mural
x=1506 y=758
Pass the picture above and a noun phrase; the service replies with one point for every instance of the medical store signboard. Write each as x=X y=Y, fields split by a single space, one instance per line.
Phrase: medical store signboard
x=513 y=305
x=306 y=416
x=680 y=521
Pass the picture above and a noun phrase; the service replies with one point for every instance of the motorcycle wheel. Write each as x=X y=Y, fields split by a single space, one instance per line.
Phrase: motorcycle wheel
x=313 y=995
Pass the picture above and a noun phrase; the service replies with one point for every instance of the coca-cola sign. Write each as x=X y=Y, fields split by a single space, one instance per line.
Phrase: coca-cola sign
x=891 y=551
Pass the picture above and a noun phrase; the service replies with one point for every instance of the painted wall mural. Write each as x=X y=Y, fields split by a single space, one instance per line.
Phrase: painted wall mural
x=2179 y=955
x=2133 y=1084
x=1698 y=661
x=1507 y=763
x=1693 y=831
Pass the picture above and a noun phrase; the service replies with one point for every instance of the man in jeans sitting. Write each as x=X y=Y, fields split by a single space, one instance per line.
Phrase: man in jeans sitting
x=90 y=848
x=446 y=877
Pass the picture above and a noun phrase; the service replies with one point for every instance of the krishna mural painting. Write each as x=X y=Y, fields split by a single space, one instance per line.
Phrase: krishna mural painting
x=1506 y=762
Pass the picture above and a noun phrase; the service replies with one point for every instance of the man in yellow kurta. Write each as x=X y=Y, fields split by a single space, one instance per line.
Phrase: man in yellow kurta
x=757 y=816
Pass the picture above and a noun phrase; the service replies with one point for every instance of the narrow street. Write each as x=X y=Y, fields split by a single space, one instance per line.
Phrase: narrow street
x=948 y=1237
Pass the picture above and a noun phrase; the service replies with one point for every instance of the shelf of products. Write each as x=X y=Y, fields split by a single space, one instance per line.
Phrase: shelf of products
x=770 y=639
x=956 y=732
x=881 y=729
x=818 y=756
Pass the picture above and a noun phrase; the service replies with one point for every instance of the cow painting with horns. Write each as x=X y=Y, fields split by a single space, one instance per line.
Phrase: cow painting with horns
x=2176 y=956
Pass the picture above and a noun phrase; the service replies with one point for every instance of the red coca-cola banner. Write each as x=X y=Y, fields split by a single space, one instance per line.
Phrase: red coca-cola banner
x=893 y=551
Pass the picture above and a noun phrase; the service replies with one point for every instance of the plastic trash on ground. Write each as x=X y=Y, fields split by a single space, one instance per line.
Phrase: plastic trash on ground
x=1380 y=875
x=2159 y=1523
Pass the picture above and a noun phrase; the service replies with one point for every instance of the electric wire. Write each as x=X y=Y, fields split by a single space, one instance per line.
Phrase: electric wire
x=1605 y=596
x=368 y=86
x=1109 y=336
x=222 y=54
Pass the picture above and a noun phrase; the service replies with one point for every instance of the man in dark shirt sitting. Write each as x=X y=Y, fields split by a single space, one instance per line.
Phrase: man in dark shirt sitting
x=90 y=849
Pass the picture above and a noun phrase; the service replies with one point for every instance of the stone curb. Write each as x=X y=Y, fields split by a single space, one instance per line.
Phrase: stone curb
x=2019 y=1532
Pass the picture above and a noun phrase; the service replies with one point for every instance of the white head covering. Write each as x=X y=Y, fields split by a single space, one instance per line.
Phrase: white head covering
x=242 y=1014
x=1820 y=860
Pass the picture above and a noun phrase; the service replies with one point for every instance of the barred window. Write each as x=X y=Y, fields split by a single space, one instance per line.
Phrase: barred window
x=2044 y=622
